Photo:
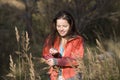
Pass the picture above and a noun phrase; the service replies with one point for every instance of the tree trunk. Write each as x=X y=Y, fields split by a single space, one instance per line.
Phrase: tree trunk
x=28 y=17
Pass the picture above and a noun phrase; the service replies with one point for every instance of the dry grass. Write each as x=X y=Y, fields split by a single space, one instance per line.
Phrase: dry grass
x=23 y=69
x=100 y=62
x=12 y=69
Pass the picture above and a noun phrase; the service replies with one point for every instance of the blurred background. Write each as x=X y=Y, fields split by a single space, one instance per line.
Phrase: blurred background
x=94 y=19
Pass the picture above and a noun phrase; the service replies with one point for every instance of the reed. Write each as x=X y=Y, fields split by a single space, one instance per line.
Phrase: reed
x=23 y=69
x=102 y=62
x=12 y=69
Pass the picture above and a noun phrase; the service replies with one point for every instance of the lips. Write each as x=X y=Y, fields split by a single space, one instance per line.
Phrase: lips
x=62 y=32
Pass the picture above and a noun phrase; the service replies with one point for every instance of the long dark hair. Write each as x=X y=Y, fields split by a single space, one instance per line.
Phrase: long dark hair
x=64 y=15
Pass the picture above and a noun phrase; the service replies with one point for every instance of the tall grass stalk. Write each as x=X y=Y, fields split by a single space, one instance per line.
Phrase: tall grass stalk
x=102 y=62
x=12 y=69
x=24 y=68
x=31 y=69
x=18 y=45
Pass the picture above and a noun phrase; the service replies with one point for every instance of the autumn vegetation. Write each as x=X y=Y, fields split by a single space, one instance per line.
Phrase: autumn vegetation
x=24 y=25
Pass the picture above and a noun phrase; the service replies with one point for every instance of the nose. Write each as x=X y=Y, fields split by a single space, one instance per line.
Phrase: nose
x=61 y=27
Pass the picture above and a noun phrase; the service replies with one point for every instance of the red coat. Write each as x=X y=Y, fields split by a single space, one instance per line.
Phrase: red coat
x=72 y=50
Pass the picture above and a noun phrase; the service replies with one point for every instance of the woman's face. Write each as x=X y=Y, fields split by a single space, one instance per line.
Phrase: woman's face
x=63 y=27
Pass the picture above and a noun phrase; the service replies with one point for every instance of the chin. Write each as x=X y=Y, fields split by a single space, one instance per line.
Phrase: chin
x=63 y=36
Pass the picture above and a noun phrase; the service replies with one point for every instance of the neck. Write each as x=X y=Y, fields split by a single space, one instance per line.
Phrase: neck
x=63 y=41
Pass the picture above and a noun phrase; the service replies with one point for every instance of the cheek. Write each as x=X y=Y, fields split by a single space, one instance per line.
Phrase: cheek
x=57 y=29
x=67 y=29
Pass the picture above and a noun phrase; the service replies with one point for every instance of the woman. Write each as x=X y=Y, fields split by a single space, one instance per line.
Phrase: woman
x=63 y=47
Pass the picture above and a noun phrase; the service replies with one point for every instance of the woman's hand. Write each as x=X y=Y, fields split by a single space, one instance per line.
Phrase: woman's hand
x=50 y=62
x=53 y=51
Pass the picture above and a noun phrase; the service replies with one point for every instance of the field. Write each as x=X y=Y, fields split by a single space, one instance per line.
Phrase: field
x=100 y=62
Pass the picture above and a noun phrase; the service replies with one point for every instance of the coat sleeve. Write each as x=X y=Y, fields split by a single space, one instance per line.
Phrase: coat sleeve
x=45 y=51
x=76 y=54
